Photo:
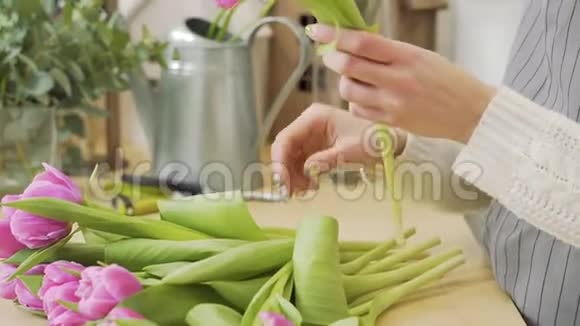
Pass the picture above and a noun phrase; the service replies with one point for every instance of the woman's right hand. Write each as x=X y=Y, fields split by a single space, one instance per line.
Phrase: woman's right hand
x=323 y=137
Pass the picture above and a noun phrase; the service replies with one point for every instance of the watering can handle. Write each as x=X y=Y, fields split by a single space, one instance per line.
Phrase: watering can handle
x=304 y=61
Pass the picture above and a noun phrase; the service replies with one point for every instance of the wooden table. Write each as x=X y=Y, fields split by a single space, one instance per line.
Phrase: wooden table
x=468 y=296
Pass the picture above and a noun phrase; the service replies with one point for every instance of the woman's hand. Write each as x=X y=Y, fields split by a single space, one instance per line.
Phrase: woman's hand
x=324 y=137
x=403 y=85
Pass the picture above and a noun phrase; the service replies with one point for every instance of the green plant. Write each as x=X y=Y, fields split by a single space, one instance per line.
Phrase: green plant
x=66 y=61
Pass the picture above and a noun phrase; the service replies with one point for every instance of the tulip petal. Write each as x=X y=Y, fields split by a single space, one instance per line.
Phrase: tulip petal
x=68 y=318
x=273 y=319
x=7 y=288
x=7 y=212
x=27 y=298
x=55 y=176
x=49 y=190
x=8 y=243
x=37 y=232
x=65 y=292
x=121 y=313
x=95 y=308
x=120 y=283
x=58 y=273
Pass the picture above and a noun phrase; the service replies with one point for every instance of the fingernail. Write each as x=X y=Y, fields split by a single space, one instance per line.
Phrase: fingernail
x=310 y=30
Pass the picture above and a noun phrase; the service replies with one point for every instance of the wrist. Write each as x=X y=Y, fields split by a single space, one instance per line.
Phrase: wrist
x=479 y=106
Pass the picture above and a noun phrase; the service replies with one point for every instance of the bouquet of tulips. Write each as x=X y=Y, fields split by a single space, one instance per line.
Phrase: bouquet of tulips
x=203 y=262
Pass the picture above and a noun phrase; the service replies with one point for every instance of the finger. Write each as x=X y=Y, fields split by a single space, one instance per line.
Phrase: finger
x=362 y=94
x=366 y=71
x=323 y=161
x=295 y=143
x=371 y=114
x=363 y=44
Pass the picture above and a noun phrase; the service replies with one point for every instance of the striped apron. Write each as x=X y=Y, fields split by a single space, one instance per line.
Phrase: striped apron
x=541 y=273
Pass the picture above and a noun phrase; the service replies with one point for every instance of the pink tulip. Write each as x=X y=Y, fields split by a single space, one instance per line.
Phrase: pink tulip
x=25 y=297
x=59 y=315
x=103 y=288
x=8 y=244
x=35 y=231
x=227 y=4
x=7 y=288
x=7 y=212
x=273 y=319
x=59 y=273
x=120 y=313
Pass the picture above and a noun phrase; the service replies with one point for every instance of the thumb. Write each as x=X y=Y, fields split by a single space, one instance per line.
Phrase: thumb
x=322 y=162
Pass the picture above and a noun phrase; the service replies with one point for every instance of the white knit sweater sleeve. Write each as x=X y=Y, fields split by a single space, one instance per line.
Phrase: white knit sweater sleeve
x=528 y=158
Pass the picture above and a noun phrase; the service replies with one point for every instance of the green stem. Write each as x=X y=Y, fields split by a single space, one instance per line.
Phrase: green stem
x=226 y=25
x=289 y=233
x=378 y=252
x=388 y=154
x=356 y=286
x=358 y=245
x=367 y=298
x=389 y=298
x=348 y=256
x=213 y=28
x=399 y=257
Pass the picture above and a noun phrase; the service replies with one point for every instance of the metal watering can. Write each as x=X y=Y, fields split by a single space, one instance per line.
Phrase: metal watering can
x=201 y=121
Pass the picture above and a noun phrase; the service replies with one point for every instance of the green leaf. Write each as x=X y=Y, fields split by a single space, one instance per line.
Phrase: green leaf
x=39 y=83
x=67 y=13
x=84 y=254
x=40 y=256
x=239 y=293
x=75 y=124
x=213 y=314
x=290 y=311
x=105 y=220
x=344 y=13
x=134 y=322
x=69 y=305
x=28 y=8
x=352 y=321
x=94 y=111
x=32 y=282
x=169 y=305
x=320 y=295
x=76 y=71
x=219 y=215
x=135 y=254
x=62 y=80
x=239 y=263
x=162 y=270
x=100 y=238
x=28 y=62
x=261 y=298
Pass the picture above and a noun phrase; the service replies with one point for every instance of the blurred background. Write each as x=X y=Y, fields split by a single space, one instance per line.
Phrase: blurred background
x=134 y=119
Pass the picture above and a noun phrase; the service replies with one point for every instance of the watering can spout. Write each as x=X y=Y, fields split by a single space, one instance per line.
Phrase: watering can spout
x=146 y=103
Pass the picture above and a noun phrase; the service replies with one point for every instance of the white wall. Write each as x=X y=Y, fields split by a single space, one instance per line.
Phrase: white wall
x=484 y=32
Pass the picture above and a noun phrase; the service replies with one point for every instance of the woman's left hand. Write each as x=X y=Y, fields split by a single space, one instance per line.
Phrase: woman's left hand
x=403 y=85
